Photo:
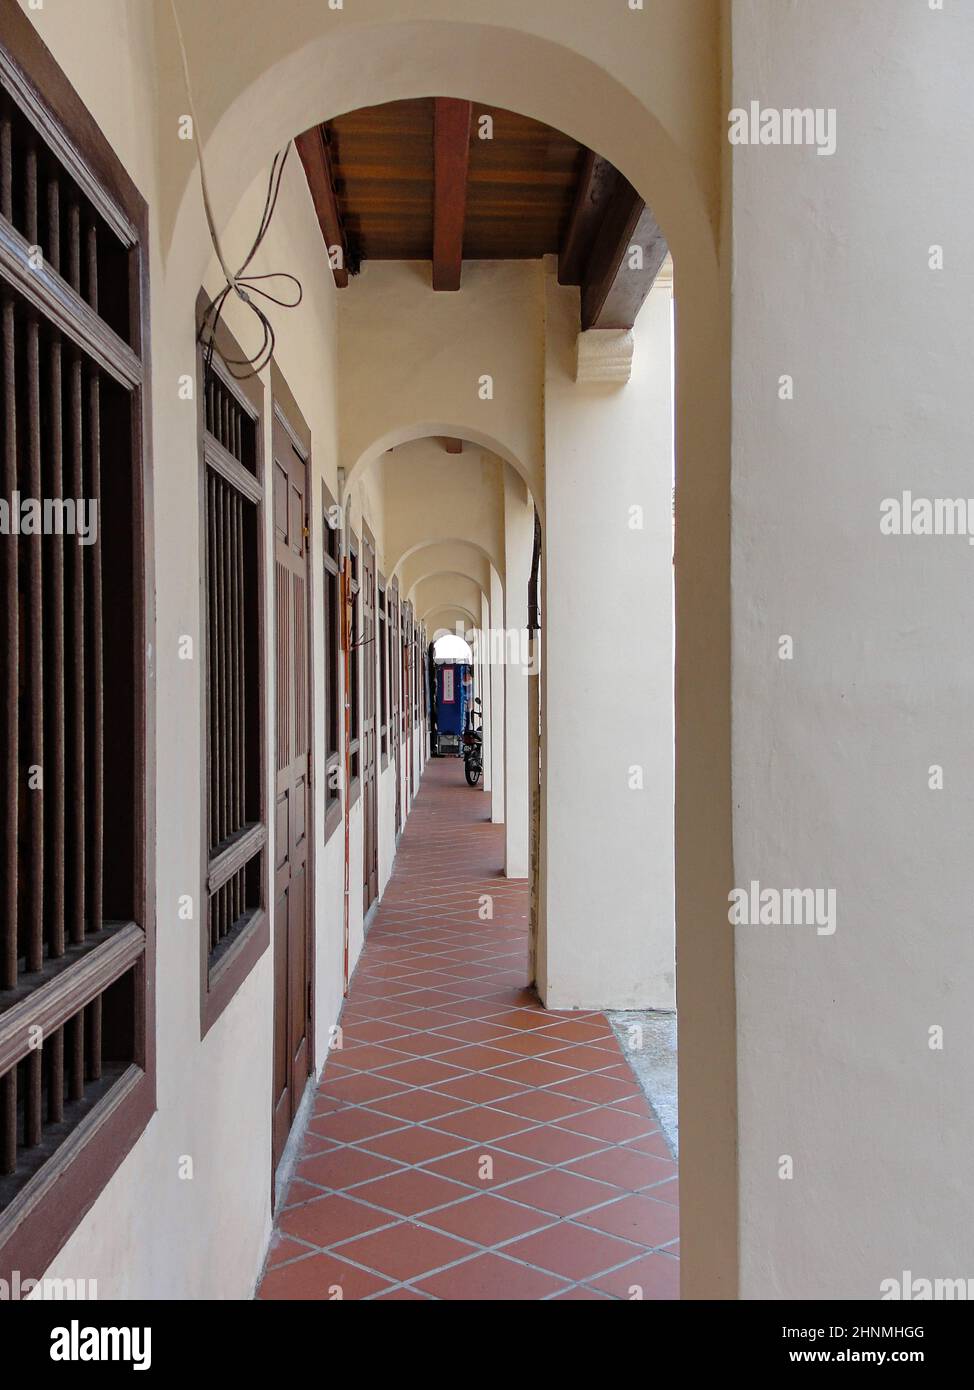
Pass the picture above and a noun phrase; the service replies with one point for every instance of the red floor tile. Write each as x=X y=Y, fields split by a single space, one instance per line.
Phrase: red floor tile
x=320 y=1277
x=326 y=1220
x=572 y=1251
x=564 y=1194
x=415 y=1106
x=415 y=1144
x=491 y=1278
x=411 y=1192
x=487 y=1220
x=485 y=1167
x=623 y=1167
x=342 y=1167
x=611 y=1126
x=548 y=1144
x=482 y=1124
x=543 y=1105
x=650 y=1277
x=405 y=1251
x=348 y=1125
x=449 y=1060
x=641 y=1219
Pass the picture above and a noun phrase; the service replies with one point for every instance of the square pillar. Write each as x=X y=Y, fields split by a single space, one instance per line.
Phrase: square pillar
x=496 y=678
x=518 y=548
x=607 y=919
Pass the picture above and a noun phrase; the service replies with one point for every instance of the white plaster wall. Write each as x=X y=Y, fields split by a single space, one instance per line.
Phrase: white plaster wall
x=832 y=749
x=497 y=715
x=387 y=822
x=483 y=690
x=445 y=557
x=518 y=549
x=608 y=631
x=433 y=497
x=412 y=360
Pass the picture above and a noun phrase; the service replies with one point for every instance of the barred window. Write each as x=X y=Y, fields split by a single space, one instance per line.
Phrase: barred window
x=76 y=1072
x=235 y=929
x=383 y=671
x=333 y=660
x=354 y=676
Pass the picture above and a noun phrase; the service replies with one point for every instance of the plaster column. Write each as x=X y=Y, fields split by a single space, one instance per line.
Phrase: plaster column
x=608 y=771
x=518 y=546
x=496 y=677
x=483 y=690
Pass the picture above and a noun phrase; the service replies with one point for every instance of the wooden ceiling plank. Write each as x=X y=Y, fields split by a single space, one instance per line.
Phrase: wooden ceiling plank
x=451 y=145
x=313 y=150
x=613 y=291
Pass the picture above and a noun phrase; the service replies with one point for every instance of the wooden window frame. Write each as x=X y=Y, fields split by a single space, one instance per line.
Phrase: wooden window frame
x=48 y=1208
x=219 y=983
x=417 y=676
x=382 y=632
x=355 y=664
x=332 y=587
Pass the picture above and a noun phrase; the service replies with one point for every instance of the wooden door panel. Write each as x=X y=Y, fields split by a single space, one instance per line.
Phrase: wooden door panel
x=370 y=865
x=293 y=906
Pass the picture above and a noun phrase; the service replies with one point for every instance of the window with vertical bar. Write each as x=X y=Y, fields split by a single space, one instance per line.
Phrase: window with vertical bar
x=235 y=824
x=383 y=672
x=331 y=600
x=76 y=1086
x=354 y=682
x=395 y=664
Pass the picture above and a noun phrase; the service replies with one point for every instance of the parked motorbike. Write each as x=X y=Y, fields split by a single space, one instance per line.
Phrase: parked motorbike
x=473 y=747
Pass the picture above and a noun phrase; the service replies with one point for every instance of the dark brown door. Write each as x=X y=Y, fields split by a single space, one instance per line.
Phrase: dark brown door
x=407 y=703
x=292 y=890
x=395 y=678
x=370 y=871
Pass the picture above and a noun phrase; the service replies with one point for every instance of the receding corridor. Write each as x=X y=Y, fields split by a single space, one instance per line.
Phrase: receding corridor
x=467 y=1143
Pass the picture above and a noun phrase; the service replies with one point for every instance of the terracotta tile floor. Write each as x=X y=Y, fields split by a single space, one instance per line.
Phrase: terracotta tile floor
x=466 y=1143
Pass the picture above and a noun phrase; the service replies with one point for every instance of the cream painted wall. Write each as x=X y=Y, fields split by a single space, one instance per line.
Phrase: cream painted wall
x=417 y=363
x=445 y=589
x=483 y=690
x=431 y=496
x=608 y=631
x=832 y=749
x=446 y=557
x=497 y=714
x=518 y=549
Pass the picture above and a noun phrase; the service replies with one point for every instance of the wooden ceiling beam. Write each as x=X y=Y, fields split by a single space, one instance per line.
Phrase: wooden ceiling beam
x=598 y=180
x=615 y=285
x=451 y=158
x=312 y=147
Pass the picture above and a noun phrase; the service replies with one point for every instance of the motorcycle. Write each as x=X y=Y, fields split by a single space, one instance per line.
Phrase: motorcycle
x=473 y=747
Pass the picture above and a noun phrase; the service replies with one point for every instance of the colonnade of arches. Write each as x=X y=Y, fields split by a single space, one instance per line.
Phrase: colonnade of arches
x=313 y=68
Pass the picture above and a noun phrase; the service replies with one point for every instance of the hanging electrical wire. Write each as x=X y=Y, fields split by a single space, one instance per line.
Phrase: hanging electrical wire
x=242 y=285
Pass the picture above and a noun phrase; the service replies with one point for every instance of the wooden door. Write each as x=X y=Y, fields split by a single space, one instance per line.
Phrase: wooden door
x=407 y=702
x=395 y=677
x=293 y=798
x=370 y=828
